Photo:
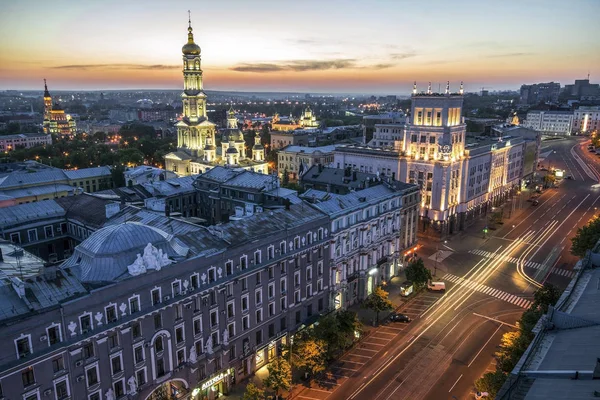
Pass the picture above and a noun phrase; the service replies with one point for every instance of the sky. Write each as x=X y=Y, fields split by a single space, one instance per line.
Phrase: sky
x=324 y=46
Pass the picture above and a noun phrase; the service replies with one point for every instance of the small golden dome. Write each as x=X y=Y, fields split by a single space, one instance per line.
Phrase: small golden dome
x=190 y=48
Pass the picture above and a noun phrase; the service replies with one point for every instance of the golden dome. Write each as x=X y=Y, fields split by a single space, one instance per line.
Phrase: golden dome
x=190 y=48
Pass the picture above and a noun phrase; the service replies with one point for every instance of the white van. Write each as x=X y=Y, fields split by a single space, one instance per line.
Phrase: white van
x=436 y=286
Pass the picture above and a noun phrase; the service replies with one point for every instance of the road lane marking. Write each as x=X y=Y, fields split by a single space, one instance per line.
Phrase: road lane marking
x=482 y=347
x=499 y=294
x=461 y=375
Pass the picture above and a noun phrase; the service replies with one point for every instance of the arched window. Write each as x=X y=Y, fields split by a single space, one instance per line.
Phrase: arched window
x=158 y=344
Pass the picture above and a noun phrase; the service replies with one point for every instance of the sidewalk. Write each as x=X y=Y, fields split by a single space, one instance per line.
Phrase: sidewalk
x=366 y=316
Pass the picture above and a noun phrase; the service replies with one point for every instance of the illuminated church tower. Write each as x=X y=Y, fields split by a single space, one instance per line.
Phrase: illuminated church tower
x=47 y=108
x=197 y=149
x=55 y=119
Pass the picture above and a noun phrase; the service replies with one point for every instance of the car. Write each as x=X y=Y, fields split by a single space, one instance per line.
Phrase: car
x=569 y=177
x=535 y=202
x=397 y=317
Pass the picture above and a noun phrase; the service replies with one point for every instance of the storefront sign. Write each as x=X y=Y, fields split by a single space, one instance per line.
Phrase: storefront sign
x=214 y=380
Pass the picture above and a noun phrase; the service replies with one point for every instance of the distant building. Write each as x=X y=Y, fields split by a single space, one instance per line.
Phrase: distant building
x=30 y=182
x=297 y=160
x=369 y=122
x=540 y=92
x=24 y=140
x=550 y=122
x=586 y=120
x=308 y=119
x=156 y=114
x=280 y=139
x=337 y=181
x=196 y=136
x=145 y=174
x=582 y=89
x=55 y=119
x=123 y=115
x=289 y=124
x=225 y=194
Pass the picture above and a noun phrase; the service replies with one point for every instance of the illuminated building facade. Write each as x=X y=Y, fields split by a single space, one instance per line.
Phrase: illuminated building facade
x=430 y=149
x=586 y=119
x=55 y=119
x=289 y=124
x=550 y=122
x=196 y=135
x=308 y=119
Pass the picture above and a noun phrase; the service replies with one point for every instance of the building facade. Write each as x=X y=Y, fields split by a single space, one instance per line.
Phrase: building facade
x=196 y=136
x=430 y=149
x=550 y=122
x=540 y=92
x=371 y=229
x=280 y=139
x=297 y=159
x=308 y=119
x=141 y=312
x=55 y=119
x=24 y=140
x=586 y=120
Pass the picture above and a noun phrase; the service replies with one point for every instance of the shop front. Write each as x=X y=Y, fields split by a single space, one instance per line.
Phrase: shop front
x=215 y=387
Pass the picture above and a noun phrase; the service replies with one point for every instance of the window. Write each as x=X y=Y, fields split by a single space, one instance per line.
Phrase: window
x=138 y=354
x=199 y=347
x=58 y=364
x=283 y=303
x=92 y=375
x=32 y=235
x=245 y=323
x=15 y=237
x=157 y=321
x=271 y=290
x=140 y=377
x=48 y=231
x=270 y=253
x=197 y=326
x=297 y=296
x=136 y=330
x=95 y=396
x=258 y=336
x=258 y=297
x=230 y=310
x=215 y=338
x=158 y=344
x=160 y=367
x=258 y=278
x=271 y=272
x=119 y=388
x=134 y=304
x=257 y=257
x=308 y=291
x=180 y=356
x=88 y=350
x=283 y=324
x=61 y=390
x=282 y=266
x=176 y=288
x=283 y=286
x=271 y=309
x=113 y=341
x=259 y=316
x=229 y=268
x=155 y=296
x=244 y=262
x=297 y=279
x=28 y=377
x=111 y=313
x=214 y=318
x=194 y=280
x=231 y=330
x=116 y=365
x=282 y=247
x=179 y=311
x=179 y=337
x=232 y=353
x=23 y=346
x=245 y=303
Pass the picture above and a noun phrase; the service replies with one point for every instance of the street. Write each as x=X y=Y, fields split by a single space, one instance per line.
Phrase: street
x=490 y=280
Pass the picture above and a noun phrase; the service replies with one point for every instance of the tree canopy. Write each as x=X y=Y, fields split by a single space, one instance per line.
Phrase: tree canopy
x=586 y=238
x=378 y=301
x=280 y=375
x=416 y=272
x=253 y=392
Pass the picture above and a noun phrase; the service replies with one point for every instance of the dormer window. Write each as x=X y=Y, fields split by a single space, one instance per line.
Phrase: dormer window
x=23 y=346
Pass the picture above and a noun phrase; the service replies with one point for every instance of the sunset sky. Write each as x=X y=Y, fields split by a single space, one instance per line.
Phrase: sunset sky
x=306 y=46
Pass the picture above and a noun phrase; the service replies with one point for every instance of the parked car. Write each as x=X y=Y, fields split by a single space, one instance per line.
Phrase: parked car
x=397 y=317
x=436 y=286
x=535 y=202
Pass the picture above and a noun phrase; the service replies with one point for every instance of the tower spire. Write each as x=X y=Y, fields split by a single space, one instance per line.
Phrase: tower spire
x=461 y=91
x=46 y=92
x=415 y=87
x=448 y=87
x=429 y=88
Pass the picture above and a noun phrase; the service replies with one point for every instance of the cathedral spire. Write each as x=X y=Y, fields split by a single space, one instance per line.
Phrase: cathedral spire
x=190 y=48
x=448 y=87
x=461 y=91
x=46 y=92
x=429 y=88
x=415 y=87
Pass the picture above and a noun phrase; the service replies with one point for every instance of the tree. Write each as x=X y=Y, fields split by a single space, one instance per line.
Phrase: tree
x=417 y=273
x=348 y=324
x=253 y=392
x=549 y=180
x=586 y=238
x=117 y=176
x=130 y=156
x=286 y=178
x=545 y=296
x=491 y=383
x=378 y=301
x=280 y=376
x=309 y=353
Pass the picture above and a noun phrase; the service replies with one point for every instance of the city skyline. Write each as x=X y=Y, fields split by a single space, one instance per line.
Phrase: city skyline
x=302 y=47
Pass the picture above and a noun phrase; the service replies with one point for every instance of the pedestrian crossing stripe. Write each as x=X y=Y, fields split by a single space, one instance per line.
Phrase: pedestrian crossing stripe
x=514 y=260
x=497 y=293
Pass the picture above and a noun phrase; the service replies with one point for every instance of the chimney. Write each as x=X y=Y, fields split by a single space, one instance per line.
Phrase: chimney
x=112 y=209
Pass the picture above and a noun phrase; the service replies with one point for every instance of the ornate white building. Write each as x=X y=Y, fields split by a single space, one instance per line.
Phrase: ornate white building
x=197 y=150
x=457 y=180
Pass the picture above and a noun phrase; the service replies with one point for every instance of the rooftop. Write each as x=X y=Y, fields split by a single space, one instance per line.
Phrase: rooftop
x=308 y=150
x=336 y=176
x=87 y=172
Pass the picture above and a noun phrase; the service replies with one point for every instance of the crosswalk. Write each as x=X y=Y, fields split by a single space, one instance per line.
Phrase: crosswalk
x=514 y=260
x=499 y=294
